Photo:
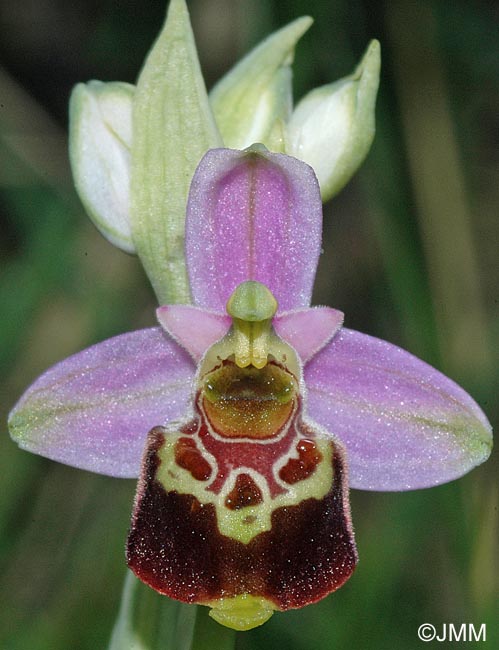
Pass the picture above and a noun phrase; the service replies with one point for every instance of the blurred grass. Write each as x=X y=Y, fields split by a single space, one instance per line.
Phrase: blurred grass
x=410 y=255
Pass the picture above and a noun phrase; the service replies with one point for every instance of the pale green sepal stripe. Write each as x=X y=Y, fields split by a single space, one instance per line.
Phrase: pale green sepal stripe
x=149 y=621
x=100 y=135
x=333 y=126
x=253 y=101
x=172 y=128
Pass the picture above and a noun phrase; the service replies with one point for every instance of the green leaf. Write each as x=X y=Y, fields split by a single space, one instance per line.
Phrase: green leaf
x=149 y=621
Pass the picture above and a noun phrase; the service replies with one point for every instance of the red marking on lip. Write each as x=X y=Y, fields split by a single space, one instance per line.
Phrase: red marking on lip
x=188 y=456
x=298 y=469
x=245 y=493
x=190 y=428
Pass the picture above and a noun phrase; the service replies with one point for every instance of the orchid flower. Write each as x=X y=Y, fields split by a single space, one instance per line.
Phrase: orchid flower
x=261 y=410
x=246 y=415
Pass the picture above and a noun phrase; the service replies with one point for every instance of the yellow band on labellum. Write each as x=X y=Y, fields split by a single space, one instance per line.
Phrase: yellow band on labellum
x=244 y=504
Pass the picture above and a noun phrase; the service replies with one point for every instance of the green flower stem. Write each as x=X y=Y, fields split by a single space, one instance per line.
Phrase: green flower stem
x=149 y=621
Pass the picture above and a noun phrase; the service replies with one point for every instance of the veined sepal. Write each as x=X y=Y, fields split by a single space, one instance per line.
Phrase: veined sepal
x=176 y=546
x=235 y=233
x=173 y=127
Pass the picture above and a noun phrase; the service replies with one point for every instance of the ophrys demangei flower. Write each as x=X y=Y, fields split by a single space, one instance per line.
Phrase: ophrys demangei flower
x=261 y=409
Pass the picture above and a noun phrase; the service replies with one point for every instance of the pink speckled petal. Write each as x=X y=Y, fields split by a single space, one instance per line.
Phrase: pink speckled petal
x=95 y=409
x=195 y=329
x=404 y=424
x=308 y=330
x=253 y=215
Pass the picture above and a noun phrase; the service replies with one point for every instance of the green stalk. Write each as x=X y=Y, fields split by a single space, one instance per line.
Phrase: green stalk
x=149 y=621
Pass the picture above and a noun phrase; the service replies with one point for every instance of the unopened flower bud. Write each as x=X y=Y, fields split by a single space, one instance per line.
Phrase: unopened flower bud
x=332 y=127
x=253 y=101
x=100 y=134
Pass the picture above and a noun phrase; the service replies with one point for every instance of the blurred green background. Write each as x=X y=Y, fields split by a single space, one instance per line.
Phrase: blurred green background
x=410 y=255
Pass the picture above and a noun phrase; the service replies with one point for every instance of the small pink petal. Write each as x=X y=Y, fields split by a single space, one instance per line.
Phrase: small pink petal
x=253 y=215
x=404 y=424
x=308 y=330
x=195 y=329
x=94 y=409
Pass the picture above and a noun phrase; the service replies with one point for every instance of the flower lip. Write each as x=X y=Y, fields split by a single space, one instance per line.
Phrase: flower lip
x=250 y=476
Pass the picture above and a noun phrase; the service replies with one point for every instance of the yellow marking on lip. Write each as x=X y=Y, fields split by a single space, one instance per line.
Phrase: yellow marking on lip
x=244 y=524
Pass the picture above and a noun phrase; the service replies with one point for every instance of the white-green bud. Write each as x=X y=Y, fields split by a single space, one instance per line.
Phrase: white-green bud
x=253 y=101
x=332 y=127
x=100 y=135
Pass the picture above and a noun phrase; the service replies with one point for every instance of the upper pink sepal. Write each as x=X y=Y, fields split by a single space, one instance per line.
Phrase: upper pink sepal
x=253 y=215
x=195 y=329
x=308 y=330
